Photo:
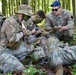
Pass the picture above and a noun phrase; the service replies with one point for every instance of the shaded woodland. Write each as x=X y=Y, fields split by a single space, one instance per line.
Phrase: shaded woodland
x=9 y=7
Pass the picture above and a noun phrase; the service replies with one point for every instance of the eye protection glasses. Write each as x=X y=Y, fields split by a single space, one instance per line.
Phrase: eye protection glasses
x=55 y=9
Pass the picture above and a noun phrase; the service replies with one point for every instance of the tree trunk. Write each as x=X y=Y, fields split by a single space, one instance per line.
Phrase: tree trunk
x=75 y=12
x=63 y=4
x=74 y=9
x=4 y=5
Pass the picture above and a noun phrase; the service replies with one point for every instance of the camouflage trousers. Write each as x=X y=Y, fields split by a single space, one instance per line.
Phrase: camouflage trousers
x=68 y=34
x=10 y=59
x=9 y=63
x=64 y=56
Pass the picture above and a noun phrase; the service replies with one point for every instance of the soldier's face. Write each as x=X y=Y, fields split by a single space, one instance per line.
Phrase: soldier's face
x=56 y=10
x=38 y=19
x=19 y=15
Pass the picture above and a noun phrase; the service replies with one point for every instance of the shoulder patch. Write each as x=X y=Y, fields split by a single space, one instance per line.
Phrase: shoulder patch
x=71 y=17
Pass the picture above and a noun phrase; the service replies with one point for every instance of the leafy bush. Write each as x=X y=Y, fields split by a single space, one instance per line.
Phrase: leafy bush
x=30 y=70
x=74 y=69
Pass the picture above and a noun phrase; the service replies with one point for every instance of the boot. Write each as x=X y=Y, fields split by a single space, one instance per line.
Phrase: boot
x=59 y=70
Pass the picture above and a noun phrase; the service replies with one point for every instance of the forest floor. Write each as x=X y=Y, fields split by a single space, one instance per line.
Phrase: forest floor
x=37 y=69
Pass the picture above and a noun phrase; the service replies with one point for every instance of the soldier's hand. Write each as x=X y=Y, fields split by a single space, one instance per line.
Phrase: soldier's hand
x=57 y=27
x=33 y=31
x=63 y=28
x=24 y=29
x=23 y=26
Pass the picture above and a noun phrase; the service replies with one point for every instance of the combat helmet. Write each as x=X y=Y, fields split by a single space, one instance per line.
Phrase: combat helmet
x=24 y=9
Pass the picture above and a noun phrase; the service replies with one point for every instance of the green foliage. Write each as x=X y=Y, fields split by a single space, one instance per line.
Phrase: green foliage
x=30 y=70
x=42 y=23
x=9 y=74
x=74 y=69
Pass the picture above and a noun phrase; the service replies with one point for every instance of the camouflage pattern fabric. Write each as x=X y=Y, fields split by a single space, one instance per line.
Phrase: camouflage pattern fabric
x=25 y=9
x=13 y=44
x=39 y=53
x=11 y=27
x=30 y=24
x=39 y=50
x=21 y=52
x=59 y=53
x=65 y=19
x=8 y=62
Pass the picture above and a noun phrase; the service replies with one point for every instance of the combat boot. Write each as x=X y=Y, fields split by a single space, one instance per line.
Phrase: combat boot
x=59 y=70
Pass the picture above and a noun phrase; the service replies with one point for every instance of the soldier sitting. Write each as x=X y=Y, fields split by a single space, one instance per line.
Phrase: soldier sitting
x=12 y=46
x=31 y=24
x=61 y=21
x=36 y=18
x=59 y=54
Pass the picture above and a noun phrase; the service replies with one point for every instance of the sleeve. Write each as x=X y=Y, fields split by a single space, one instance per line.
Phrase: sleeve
x=29 y=24
x=10 y=32
x=48 y=24
x=70 y=22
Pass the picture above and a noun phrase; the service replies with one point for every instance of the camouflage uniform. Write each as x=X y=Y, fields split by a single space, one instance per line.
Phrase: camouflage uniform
x=12 y=45
x=59 y=53
x=30 y=24
x=8 y=62
x=65 y=19
x=39 y=52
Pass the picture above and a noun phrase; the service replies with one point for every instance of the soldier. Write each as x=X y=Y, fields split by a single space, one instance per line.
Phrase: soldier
x=59 y=54
x=35 y=19
x=12 y=46
x=61 y=21
x=31 y=24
